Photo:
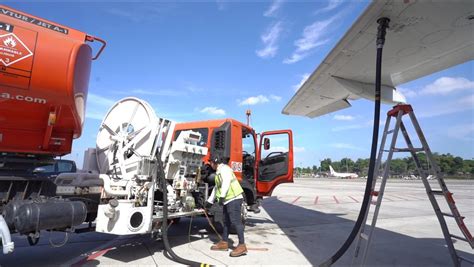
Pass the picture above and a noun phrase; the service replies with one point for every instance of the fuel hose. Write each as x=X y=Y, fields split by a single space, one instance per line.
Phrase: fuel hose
x=381 y=31
x=164 y=227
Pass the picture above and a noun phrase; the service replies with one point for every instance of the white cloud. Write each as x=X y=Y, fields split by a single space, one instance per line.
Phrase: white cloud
x=298 y=149
x=97 y=106
x=344 y=117
x=304 y=77
x=275 y=97
x=213 y=111
x=260 y=99
x=313 y=36
x=269 y=39
x=441 y=86
x=344 y=146
x=295 y=57
x=331 y=5
x=407 y=92
x=460 y=105
x=254 y=100
x=446 y=85
x=273 y=8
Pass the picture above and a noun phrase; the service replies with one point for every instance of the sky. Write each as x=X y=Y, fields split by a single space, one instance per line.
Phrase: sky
x=205 y=60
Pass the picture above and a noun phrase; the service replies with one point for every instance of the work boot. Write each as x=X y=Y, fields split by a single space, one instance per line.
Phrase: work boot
x=240 y=250
x=221 y=245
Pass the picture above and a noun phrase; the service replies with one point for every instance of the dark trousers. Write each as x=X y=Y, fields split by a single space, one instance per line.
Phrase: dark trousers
x=232 y=217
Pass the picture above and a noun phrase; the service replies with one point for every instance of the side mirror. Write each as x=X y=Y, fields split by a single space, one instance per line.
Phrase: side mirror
x=266 y=143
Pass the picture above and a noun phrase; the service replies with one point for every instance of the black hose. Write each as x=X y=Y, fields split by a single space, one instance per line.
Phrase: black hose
x=383 y=25
x=164 y=227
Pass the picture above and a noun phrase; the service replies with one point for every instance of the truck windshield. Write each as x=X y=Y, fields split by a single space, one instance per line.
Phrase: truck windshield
x=248 y=142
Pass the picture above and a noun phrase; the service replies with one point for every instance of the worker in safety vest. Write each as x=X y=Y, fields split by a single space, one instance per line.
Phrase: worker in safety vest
x=228 y=192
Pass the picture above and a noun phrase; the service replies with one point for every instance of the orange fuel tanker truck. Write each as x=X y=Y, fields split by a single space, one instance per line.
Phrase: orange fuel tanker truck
x=144 y=170
x=44 y=77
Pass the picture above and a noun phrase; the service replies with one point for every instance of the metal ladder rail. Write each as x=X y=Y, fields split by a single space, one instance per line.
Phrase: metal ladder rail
x=447 y=194
x=376 y=172
x=381 y=190
x=429 y=192
x=424 y=174
x=384 y=181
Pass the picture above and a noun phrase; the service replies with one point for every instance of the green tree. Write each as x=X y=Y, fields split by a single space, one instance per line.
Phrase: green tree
x=398 y=167
x=468 y=166
x=315 y=169
x=325 y=164
x=457 y=165
x=336 y=165
x=411 y=167
x=361 y=166
x=347 y=165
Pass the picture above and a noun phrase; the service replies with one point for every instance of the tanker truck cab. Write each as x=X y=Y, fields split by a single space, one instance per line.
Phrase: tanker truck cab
x=260 y=161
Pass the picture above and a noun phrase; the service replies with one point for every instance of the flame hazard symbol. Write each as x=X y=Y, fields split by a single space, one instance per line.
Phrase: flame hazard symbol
x=9 y=42
x=12 y=49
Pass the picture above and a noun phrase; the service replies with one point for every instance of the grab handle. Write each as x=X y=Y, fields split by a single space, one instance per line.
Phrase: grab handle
x=92 y=39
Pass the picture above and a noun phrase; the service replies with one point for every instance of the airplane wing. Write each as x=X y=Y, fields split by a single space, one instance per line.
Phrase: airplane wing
x=424 y=37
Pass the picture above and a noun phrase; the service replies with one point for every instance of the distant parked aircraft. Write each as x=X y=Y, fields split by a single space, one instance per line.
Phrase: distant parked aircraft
x=342 y=174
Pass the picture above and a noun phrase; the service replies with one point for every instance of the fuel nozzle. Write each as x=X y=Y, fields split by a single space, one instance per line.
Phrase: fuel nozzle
x=381 y=31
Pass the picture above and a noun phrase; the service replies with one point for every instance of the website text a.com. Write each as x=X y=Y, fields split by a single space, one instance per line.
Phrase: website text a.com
x=22 y=98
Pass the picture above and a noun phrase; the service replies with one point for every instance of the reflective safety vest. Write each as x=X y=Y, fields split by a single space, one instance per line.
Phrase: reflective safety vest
x=234 y=189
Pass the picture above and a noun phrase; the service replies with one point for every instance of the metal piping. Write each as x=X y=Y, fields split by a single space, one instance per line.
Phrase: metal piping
x=7 y=244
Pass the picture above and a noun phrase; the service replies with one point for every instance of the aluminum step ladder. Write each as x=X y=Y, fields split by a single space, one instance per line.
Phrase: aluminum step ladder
x=366 y=232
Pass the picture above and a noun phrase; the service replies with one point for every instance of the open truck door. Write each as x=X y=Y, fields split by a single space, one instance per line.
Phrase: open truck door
x=274 y=160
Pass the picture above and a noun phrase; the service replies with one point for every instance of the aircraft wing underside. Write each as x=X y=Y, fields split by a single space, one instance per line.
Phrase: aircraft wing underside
x=424 y=37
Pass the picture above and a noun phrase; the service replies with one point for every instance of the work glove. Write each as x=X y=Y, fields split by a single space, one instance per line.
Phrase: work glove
x=221 y=201
x=207 y=206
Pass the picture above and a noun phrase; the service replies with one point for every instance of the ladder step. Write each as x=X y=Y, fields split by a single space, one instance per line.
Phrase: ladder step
x=390 y=131
x=436 y=192
x=364 y=236
x=447 y=214
x=459 y=237
x=415 y=149
x=373 y=202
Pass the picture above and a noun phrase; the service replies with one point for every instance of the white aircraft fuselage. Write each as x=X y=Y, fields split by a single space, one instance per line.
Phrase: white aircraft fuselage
x=342 y=174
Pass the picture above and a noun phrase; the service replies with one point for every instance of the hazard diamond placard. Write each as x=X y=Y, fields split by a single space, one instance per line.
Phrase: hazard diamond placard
x=12 y=49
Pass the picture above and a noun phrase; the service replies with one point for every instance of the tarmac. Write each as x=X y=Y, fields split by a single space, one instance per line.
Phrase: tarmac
x=303 y=223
